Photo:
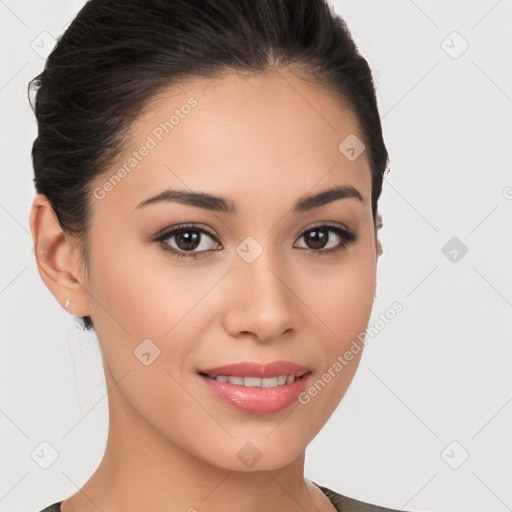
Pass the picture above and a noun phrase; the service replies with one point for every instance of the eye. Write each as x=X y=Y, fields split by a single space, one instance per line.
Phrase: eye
x=187 y=239
x=320 y=241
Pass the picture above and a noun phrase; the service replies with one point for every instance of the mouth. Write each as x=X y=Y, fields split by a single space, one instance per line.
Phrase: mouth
x=257 y=388
x=256 y=382
x=257 y=375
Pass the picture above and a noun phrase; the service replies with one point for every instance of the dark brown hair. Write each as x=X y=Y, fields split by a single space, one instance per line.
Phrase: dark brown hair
x=117 y=55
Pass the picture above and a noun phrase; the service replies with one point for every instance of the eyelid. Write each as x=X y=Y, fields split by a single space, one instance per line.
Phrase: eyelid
x=347 y=235
x=323 y=223
x=169 y=230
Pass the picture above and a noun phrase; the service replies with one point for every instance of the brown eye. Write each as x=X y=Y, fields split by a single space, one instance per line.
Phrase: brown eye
x=318 y=238
x=189 y=241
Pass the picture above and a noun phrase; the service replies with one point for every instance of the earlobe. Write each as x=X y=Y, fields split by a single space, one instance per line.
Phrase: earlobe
x=378 y=225
x=378 y=246
x=380 y=250
x=56 y=258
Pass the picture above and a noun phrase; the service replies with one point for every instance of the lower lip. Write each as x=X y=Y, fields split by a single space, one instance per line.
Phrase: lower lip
x=257 y=400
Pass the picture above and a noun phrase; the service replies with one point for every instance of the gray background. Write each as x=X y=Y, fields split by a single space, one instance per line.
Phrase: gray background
x=433 y=386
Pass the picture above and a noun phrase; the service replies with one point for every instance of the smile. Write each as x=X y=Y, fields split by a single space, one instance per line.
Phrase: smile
x=255 y=382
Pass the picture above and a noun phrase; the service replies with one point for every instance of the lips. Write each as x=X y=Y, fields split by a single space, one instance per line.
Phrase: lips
x=257 y=400
x=253 y=369
x=257 y=388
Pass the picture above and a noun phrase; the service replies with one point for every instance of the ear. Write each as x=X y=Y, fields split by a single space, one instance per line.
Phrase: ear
x=378 y=225
x=57 y=258
x=378 y=245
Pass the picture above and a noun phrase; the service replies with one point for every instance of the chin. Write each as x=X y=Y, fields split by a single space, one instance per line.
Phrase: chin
x=251 y=456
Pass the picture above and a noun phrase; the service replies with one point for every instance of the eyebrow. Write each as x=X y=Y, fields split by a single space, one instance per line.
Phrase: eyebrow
x=222 y=205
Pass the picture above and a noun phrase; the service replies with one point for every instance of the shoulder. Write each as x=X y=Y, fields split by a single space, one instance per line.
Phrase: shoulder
x=346 y=504
x=342 y=503
x=54 y=507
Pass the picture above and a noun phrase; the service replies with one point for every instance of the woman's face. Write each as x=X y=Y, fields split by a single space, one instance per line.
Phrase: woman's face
x=253 y=285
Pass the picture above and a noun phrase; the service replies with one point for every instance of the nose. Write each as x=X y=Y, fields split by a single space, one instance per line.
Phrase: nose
x=262 y=303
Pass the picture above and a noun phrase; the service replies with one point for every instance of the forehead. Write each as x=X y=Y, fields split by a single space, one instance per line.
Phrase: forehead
x=274 y=134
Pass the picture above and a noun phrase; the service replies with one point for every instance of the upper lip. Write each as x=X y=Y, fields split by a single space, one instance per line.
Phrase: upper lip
x=253 y=369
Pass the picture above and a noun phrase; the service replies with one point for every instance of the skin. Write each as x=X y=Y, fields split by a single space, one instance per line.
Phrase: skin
x=263 y=142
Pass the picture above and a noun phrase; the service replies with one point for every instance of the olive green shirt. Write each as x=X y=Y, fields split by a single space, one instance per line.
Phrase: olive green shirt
x=341 y=503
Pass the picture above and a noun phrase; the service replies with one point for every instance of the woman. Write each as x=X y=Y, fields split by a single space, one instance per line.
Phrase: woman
x=207 y=177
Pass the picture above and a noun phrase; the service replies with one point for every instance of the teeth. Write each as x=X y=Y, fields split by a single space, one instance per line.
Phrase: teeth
x=256 y=382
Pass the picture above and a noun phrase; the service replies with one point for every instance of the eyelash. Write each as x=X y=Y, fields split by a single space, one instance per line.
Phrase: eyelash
x=348 y=236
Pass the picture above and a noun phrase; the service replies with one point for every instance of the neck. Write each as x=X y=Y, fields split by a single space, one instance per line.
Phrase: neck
x=143 y=470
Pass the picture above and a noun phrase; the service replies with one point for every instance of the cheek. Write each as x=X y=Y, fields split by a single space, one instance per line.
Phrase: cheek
x=342 y=304
x=140 y=298
x=342 y=296
x=143 y=318
x=137 y=294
